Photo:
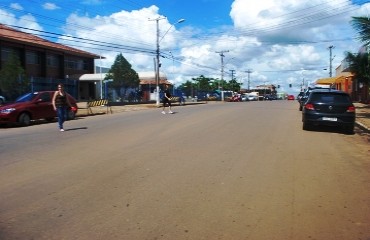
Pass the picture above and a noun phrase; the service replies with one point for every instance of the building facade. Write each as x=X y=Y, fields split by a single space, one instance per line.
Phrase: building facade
x=46 y=63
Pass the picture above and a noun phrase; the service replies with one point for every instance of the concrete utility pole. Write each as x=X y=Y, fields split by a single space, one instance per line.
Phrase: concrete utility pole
x=232 y=74
x=157 y=63
x=249 y=79
x=330 y=60
x=232 y=77
x=222 y=70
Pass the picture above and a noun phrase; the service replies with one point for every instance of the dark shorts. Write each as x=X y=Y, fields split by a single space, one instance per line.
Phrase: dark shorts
x=165 y=100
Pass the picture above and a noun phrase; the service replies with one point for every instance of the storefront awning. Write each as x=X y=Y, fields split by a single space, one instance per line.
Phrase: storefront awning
x=327 y=81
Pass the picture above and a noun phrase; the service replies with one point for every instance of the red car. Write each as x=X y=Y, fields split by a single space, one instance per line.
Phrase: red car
x=33 y=106
x=290 y=97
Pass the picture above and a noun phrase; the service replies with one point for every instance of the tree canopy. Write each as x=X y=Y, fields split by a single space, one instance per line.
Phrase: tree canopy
x=122 y=74
x=206 y=84
x=362 y=25
x=359 y=64
x=12 y=78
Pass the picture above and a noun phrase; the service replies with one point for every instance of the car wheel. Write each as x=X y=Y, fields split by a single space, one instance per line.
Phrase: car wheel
x=24 y=119
x=306 y=126
x=71 y=115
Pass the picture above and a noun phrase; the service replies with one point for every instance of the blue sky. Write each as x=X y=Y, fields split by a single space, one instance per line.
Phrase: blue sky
x=280 y=42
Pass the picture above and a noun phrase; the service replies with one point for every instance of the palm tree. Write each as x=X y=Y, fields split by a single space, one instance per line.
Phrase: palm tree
x=359 y=66
x=362 y=25
x=359 y=63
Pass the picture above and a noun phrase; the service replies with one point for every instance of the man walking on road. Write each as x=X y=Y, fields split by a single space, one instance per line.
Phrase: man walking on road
x=166 y=99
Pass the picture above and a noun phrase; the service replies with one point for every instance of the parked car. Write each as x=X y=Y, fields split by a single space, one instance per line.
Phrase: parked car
x=303 y=98
x=252 y=97
x=2 y=100
x=290 y=97
x=33 y=106
x=270 y=97
x=329 y=107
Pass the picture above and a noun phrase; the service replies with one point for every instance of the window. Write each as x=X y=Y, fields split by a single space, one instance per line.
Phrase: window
x=330 y=98
x=6 y=52
x=77 y=64
x=52 y=60
x=32 y=58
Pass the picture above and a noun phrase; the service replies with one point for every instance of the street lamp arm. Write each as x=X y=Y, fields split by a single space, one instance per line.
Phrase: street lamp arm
x=157 y=64
x=179 y=21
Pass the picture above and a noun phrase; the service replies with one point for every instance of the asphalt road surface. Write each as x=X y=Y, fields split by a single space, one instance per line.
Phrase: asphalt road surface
x=213 y=171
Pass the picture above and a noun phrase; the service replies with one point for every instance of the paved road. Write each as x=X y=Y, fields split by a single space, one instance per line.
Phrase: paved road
x=212 y=171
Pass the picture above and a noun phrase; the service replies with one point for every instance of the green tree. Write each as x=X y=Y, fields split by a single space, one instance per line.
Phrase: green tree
x=359 y=66
x=187 y=88
x=233 y=85
x=12 y=78
x=362 y=25
x=123 y=75
x=202 y=83
x=359 y=63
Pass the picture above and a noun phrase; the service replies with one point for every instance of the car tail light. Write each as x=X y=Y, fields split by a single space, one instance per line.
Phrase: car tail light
x=351 y=109
x=309 y=106
x=74 y=109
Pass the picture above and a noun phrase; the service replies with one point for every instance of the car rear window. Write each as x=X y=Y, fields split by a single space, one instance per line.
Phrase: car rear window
x=330 y=98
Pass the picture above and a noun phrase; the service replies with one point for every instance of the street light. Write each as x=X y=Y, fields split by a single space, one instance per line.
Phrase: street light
x=157 y=54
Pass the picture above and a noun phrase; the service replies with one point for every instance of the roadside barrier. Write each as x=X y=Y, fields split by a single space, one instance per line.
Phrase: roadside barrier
x=177 y=99
x=174 y=99
x=98 y=103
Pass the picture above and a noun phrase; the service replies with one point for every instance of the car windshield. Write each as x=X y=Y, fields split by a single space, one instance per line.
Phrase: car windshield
x=26 y=97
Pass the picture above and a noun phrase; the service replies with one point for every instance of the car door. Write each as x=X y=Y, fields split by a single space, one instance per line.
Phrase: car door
x=43 y=107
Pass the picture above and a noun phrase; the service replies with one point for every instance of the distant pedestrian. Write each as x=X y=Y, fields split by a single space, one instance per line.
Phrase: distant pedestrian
x=60 y=104
x=166 y=99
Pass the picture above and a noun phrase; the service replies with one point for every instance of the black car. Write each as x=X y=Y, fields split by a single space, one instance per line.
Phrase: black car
x=329 y=107
x=302 y=98
x=270 y=97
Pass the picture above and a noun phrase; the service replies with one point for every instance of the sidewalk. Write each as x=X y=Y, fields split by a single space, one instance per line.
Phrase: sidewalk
x=83 y=111
x=363 y=116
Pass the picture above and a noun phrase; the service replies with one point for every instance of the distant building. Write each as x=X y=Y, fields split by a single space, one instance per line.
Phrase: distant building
x=95 y=85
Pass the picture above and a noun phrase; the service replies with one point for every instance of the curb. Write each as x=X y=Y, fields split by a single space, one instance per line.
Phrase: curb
x=362 y=126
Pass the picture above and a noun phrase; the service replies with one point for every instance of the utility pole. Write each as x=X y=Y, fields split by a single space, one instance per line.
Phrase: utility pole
x=232 y=74
x=249 y=75
x=222 y=70
x=330 y=60
x=232 y=78
x=157 y=63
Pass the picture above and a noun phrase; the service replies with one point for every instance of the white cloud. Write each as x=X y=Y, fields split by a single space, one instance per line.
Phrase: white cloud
x=16 y=6
x=26 y=21
x=50 y=6
x=276 y=39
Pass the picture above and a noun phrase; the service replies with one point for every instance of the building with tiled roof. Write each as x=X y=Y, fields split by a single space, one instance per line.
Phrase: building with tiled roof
x=148 y=84
x=46 y=63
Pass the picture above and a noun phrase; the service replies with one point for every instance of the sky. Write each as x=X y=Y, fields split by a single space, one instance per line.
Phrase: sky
x=278 y=42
